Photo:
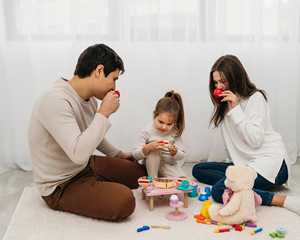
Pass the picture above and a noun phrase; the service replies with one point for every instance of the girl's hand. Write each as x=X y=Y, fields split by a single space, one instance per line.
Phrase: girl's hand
x=229 y=97
x=173 y=150
x=153 y=146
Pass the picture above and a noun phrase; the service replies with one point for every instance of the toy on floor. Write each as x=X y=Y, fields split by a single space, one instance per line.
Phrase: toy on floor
x=207 y=191
x=144 y=228
x=241 y=206
x=118 y=93
x=203 y=197
x=281 y=230
x=215 y=223
x=256 y=231
x=251 y=224
x=222 y=230
x=165 y=227
x=203 y=222
x=176 y=216
x=276 y=234
x=204 y=211
x=217 y=92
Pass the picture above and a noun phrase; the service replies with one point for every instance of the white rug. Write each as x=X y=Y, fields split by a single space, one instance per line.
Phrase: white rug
x=34 y=220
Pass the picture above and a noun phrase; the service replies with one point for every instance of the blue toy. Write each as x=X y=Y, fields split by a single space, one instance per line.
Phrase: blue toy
x=208 y=191
x=144 y=228
x=203 y=197
x=281 y=230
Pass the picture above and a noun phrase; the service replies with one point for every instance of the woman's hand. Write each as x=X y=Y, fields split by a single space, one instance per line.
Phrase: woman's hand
x=153 y=146
x=173 y=150
x=229 y=97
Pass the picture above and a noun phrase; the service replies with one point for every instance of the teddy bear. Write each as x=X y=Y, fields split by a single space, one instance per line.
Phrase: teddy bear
x=241 y=205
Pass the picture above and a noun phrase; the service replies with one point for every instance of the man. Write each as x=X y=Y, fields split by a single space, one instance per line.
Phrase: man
x=66 y=128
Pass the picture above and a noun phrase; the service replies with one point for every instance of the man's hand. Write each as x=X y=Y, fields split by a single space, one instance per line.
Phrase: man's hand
x=173 y=150
x=127 y=156
x=230 y=97
x=109 y=104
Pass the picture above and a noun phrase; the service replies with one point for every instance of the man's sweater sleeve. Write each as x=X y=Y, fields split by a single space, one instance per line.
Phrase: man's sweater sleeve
x=107 y=148
x=137 y=152
x=58 y=117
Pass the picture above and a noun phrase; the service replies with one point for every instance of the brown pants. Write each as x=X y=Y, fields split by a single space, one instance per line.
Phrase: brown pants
x=101 y=190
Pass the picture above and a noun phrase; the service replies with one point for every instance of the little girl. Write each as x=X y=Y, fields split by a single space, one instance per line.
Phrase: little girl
x=168 y=124
x=244 y=117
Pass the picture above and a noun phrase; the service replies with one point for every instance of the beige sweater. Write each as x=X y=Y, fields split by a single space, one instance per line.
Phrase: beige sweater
x=63 y=133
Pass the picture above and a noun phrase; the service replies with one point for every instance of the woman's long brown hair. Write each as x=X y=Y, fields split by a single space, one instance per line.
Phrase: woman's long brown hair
x=231 y=69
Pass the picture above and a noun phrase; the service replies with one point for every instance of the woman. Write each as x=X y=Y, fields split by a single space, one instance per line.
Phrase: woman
x=244 y=117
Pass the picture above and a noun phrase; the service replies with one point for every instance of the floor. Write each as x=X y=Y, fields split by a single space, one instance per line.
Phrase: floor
x=13 y=182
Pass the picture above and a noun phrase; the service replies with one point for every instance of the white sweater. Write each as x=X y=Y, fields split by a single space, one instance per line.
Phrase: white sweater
x=250 y=139
x=150 y=134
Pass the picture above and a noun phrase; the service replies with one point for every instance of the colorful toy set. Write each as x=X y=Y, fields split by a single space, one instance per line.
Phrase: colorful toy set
x=150 y=189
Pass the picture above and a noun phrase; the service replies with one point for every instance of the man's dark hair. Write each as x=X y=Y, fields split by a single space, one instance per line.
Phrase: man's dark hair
x=96 y=55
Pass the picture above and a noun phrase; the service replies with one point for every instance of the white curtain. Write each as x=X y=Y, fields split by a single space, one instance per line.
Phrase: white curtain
x=165 y=44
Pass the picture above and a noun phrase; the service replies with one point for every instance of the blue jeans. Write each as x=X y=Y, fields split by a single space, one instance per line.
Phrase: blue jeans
x=213 y=173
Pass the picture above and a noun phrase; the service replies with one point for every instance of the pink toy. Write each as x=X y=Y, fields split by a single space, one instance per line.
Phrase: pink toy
x=158 y=192
x=217 y=92
x=176 y=216
x=174 y=199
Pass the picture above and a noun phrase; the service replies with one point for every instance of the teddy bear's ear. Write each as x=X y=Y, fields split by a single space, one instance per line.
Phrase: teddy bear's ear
x=230 y=173
x=253 y=172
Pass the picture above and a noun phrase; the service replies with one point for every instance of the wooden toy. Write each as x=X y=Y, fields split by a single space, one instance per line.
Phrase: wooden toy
x=176 y=216
x=144 y=182
x=217 y=92
x=256 y=231
x=163 y=183
x=164 y=143
x=165 y=227
x=180 y=179
x=158 y=192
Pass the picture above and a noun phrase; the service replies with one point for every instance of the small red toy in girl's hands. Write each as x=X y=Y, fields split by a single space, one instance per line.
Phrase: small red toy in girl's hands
x=217 y=92
x=118 y=93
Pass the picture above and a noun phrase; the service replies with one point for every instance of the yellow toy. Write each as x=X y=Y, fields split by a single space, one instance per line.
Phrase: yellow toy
x=204 y=211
